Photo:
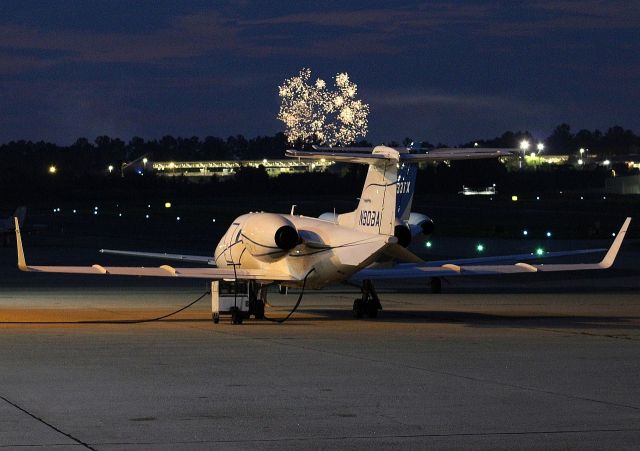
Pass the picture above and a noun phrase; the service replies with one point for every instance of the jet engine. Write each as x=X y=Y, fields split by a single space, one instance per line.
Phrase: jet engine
x=403 y=233
x=419 y=223
x=268 y=236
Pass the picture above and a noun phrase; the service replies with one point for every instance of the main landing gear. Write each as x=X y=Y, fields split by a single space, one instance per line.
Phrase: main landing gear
x=257 y=300
x=436 y=285
x=369 y=303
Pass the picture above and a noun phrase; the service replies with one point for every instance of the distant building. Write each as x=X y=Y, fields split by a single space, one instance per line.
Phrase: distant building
x=229 y=168
x=623 y=185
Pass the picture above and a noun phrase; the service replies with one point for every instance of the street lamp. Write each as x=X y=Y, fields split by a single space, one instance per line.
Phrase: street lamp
x=52 y=169
x=540 y=147
x=110 y=168
x=524 y=145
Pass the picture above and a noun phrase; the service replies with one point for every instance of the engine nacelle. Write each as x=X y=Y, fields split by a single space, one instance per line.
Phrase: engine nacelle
x=269 y=236
x=419 y=223
x=403 y=233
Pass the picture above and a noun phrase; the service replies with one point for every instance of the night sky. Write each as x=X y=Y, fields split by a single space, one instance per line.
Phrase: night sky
x=445 y=71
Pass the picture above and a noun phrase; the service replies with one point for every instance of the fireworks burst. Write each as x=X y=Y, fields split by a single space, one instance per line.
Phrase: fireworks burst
x=310 y=111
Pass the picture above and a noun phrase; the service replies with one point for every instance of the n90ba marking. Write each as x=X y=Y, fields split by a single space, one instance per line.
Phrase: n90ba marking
x=370 y=218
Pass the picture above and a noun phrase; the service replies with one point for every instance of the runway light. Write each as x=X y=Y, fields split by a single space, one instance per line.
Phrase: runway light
x=146 y=216
x=119 y=215
x=540 y=147
x=144 y=160
x=525 y=232
x=606 y=162
x=74 y=212
x=604 y=197
x=548 y=234
x=427 y=244
x=580 y=161
x=178 y=218
x=95 y=212
x=110 y=168
x=532 y=154
x=149 y=206
x=213 y=220
x=480 y=247
x=537 y=197
x=52 y=169
x=167 y=205
x=514 y=198
x=581 y=197
x=613 y=234
x=95 y=208
x=539 y=251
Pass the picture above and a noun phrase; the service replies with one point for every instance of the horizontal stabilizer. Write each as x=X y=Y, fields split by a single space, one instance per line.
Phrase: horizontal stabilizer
x=359 y=156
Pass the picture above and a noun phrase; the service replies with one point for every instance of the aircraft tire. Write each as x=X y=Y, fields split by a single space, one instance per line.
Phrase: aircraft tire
x=436 y=285
x=358 y=308
x=372 y=309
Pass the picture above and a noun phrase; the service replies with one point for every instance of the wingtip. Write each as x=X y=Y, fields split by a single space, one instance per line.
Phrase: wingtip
x=22 y=264
x=612 y=253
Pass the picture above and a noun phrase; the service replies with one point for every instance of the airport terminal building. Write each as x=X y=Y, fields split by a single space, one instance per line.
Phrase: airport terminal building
x=225 y=168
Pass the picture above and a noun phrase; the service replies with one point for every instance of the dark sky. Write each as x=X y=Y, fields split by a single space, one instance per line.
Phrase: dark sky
x=447 y=71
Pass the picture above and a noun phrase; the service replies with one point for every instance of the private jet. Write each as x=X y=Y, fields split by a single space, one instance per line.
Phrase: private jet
x=293 y=250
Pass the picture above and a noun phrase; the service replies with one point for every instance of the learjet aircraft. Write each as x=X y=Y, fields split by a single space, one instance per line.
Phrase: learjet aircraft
x=298 y=251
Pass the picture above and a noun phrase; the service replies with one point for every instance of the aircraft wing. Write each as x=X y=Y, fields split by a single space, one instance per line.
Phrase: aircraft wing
x=161 y=271
x=513 y=257
x=423 y=270
x=162 y=256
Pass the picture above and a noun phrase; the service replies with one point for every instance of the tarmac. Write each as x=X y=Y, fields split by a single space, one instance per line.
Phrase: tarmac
x=526 y=362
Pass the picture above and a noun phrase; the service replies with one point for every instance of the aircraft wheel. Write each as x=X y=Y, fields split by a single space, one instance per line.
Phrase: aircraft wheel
x=259 y=310
x=215 y=317
x=372 y=310
x=436 y=285
x=358 y=308
x=236 y=316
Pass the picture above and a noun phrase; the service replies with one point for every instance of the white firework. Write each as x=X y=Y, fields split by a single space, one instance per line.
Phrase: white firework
x=311 y=112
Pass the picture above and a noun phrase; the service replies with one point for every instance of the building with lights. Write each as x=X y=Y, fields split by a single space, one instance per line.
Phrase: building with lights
x=226 y=168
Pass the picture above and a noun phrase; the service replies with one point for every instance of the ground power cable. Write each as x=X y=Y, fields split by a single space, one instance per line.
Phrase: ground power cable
x=295 y=307
x=114 y=321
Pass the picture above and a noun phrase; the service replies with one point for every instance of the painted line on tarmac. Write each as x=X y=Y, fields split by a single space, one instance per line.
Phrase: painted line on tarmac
x=80 y=442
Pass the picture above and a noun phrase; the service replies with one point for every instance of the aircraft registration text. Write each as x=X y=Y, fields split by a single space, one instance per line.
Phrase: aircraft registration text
x=370 y=218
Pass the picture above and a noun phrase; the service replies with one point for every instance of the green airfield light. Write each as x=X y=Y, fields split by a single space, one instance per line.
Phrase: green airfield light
x=539 y=252
x=428 y=244
x=480 y=247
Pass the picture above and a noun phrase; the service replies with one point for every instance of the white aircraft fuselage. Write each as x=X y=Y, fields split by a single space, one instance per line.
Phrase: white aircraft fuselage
x=295 y=245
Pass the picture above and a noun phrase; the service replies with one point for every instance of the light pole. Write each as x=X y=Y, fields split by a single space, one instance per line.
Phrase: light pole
x=524 y=146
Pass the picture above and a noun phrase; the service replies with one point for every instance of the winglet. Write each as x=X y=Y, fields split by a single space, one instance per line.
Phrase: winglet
x=608 y=259
x=22 y=264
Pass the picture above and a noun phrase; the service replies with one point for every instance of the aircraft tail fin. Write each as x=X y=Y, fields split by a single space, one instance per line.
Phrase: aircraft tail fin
x=376 y=212
x=407 y=173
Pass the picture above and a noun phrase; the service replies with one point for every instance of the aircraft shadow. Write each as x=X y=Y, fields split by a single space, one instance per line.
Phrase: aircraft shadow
x=489 y=320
